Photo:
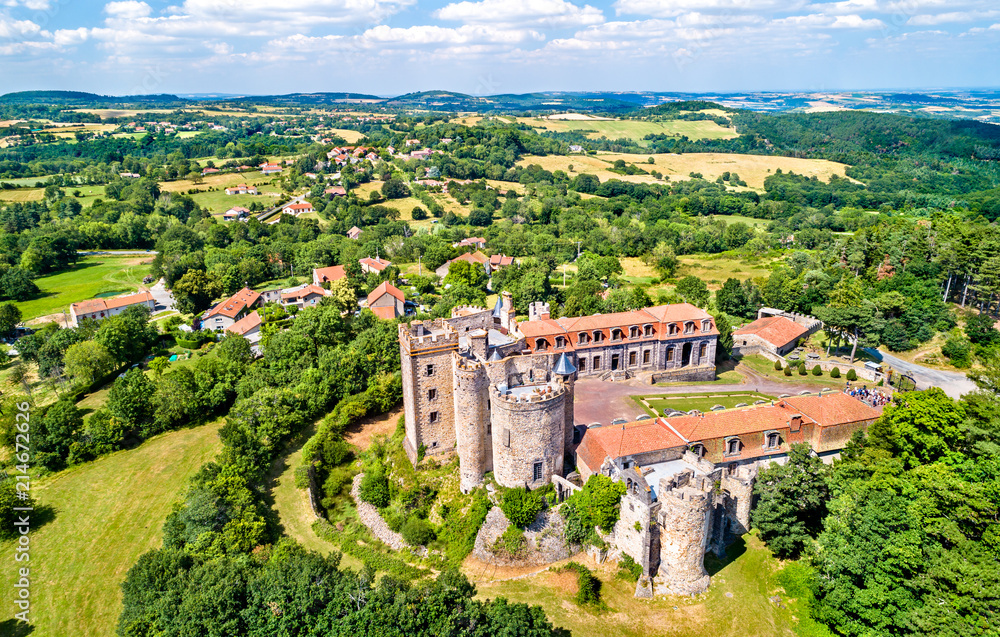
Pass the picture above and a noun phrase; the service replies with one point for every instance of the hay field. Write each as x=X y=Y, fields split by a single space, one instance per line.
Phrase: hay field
x=351 y=136
x=106 y=113
x=753 y=169
x=22 y=195
x=219 y=180
x=632 y=129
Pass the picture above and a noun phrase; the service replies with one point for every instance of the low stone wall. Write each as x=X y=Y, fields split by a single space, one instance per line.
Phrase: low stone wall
x=370 y=517
x=684 y=374
x=545 y=540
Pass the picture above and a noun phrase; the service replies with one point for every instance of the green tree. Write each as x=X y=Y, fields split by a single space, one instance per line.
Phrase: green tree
x=520 y=506
x=919 y=427
x=724 y=347
x=9 y=500
x=10 y=316
x=130 y=399
x=194 y=292
x=159 y=365
x=395 y=189
x=791 y=501
x=732 y=299
x=693 y=290
x=55 y=433
x=466 y=273
x=598 y=502
x=129 y=335
x=87 y=361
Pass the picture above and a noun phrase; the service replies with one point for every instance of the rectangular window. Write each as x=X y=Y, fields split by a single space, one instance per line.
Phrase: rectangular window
x=432 y=394
x=646 y=357
x=434 y=417
x=537 y=471
x=583 y=364
x=702 y=350
x=631 y=358
x=430 y=370
x=597 y=362
x=489 y=428
x=670 y=354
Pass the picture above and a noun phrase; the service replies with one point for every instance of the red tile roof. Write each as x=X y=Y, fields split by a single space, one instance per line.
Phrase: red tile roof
x=832 y=409
x=303 y=292
x=375 y=264
x=499 y=261
x=385 y=288
x=299 y=206
x=776 y=330
x=102 y=305
x=717 y=424
x=632 y=438
x=235 y=304
x=658 y=316
x=332 y=273
x=245 y=324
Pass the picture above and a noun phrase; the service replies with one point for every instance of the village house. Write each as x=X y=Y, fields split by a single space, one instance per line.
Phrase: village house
x=248 y=327
x=303 y=296
x=498 y=261
x=99 y=309
x=242 y=189
x=774 y=333
x=209 y=171
x=387 y=301
x=231 y=310
x=270 y=169
x=332 y=273
x=297 y=209
x=235 y=213
x=335 y=191
x=477 y=258
x=475 y=242
x=374 y=266
x=354 y=233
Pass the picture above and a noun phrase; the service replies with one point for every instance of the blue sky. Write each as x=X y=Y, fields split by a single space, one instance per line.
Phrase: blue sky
x=491 y=46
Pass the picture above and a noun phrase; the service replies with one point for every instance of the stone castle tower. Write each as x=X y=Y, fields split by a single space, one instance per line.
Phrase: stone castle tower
x=685 y=524
x=470 y=389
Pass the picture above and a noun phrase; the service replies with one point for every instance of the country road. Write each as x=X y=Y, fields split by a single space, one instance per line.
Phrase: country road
x=954 y=384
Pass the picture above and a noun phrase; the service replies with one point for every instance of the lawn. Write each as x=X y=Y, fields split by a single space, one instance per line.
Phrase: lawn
x=106 y=514
x=217 y=201
x=89 y=277
x=656 y=404
x=736 y=604
x=765 y=367
x=714 y=269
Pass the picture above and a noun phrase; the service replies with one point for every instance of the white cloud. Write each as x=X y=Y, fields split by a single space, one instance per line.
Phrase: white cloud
x=952 y=17
x=18 y=29
x=70 y=37
x=33 y=5
x=671 y=8
x=533 y=13
x=128 y=9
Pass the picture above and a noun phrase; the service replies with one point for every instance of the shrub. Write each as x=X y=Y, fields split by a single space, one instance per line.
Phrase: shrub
x=520 y=506
x=777 y=365
x=802 y=369
x=589 y=587
x=511 y=542
x=301 y=477
x=375 y=489
x=852 y=375
x=394 y=519
x=835 y=372
x=629 y=569
x=598 y=501
x=417 y=531
x=788 y=370
x=419 y=213
x=958 y=350
x=817 y=371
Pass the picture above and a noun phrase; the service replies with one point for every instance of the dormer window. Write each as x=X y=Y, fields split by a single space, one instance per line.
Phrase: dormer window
x=647 y=330
x=733 y=446
x=541 y=344
x=689 y=327
x=598 y=336
x=560 y=342
x=772 y=440
x=617 y=334
x=633 y=332
x=672 y=329
x=706 y=325
x=584 y=338
x=698 y=449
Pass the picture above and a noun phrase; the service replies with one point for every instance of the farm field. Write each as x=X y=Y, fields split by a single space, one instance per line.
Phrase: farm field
x=107 y=113
x=632 y=129
x=714 y=269
x=106 y=514
x=350 y=136
x=89 y=277
x=736 y=605
x=22 y=195
x=655 y=405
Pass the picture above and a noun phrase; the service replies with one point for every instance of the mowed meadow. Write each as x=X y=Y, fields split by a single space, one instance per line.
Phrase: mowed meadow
x=753 y=169
x=89 y=277
x=595 y=128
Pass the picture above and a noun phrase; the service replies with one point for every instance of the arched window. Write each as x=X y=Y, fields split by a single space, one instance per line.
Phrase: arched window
x=598 y=336
x=689 y=327
x=732 y=446
x=672 y=329
x=541 y=344
x=647 y=330
x=583 y=338
x=773 y=440
x=633 y=332
x=706 y=325
x=560 y=342
x=617 y=334
x=698 y=449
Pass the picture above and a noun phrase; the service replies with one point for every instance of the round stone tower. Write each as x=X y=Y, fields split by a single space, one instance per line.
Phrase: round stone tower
x=685 y=528
x=471 y=392
x=529 y=432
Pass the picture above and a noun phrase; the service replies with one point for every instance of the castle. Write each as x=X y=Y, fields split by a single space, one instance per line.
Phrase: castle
x=500 y=394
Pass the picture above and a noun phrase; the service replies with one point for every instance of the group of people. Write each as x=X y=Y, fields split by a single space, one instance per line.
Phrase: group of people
x=873 y=397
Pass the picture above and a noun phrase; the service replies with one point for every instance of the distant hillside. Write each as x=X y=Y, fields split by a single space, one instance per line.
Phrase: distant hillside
x=450 y=101
x=305 y=99
x=78 y=97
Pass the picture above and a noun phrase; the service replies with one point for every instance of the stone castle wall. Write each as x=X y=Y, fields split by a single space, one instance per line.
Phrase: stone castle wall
x=685 y=522
x=633 y=542
x=426 y=361
x=527 y=431
x=471 y=420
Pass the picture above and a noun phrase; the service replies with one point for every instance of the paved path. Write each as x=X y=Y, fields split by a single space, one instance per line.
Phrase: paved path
x=164 y=298
x=955 y=384
x=602 y=401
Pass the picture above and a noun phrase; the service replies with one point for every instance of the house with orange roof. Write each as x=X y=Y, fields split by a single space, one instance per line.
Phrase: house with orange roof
x=354 y=233
x=476 y=257
x=235 y=213
x=248 y=327
x=303 y=296
x=231 y=310
x=332 y=273
x=374 y=266
x=242 y=189
x=498 y=261
x=775 y=335
x=335 y=191
x=100 y=309
x=387 y=301
x=270 y=169
x=296 y=209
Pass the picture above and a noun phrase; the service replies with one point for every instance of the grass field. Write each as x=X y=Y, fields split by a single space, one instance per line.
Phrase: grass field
x=656 y=404
x=714 y=269
x=632 y=129
x=85 y=280
x=736 y=604
x=752 y=169
x=106 y=514
x=351 y=136
x=22 y=195
x=219 y=180
x=107 y=113
x=765 y=367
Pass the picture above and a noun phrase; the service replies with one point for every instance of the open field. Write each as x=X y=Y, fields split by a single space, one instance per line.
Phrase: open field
x=657 y=404
x=750 y=221
x=631 y=129
x=714 y=269
x=22 y=195
x=106 y=113
x=218 y=180
x=89 y=277
x=765 y=367
x=736 y=605
x=351 y=136
x=106 y=514
x=69 y=132
x=752 y=169
x=217 y=201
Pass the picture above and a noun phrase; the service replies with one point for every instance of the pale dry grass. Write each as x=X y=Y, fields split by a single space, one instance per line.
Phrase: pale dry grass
x=22 y=195
x=350 y=136
x=219 y=180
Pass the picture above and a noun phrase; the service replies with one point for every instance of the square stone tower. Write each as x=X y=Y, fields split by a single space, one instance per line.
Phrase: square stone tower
x=426 y=350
